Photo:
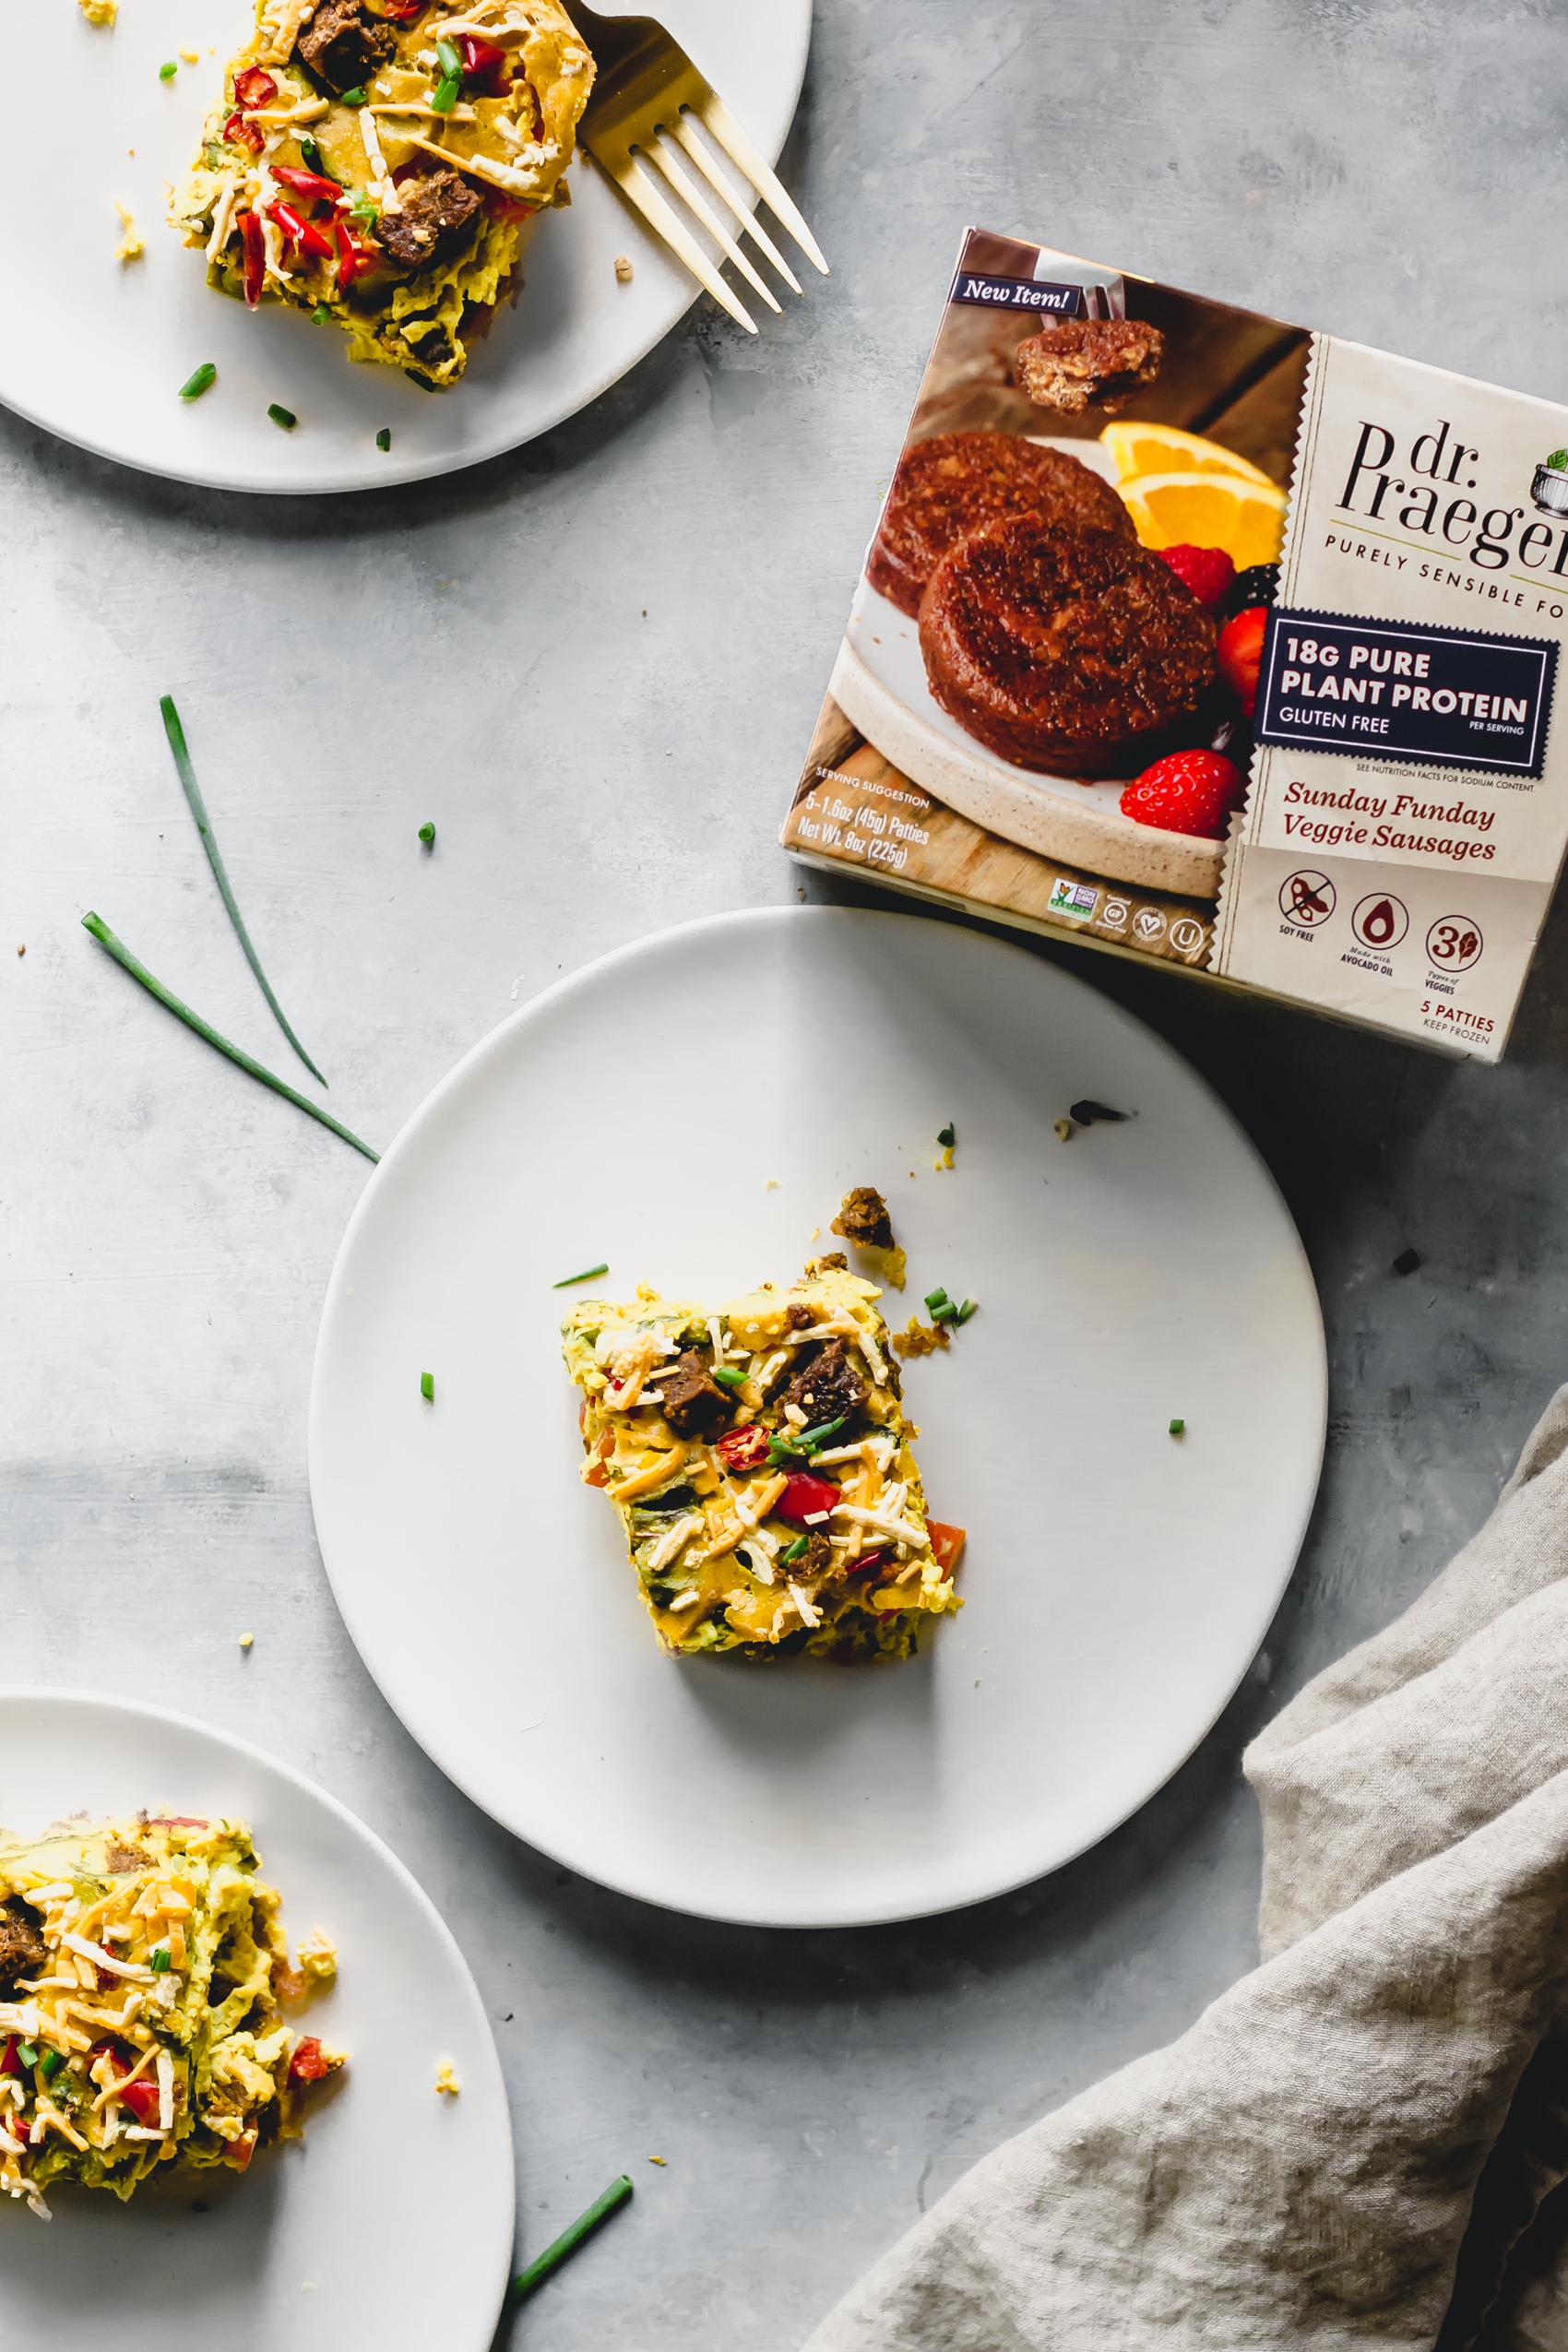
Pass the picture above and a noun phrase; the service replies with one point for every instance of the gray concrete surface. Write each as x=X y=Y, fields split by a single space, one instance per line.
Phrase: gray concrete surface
x=476 y=652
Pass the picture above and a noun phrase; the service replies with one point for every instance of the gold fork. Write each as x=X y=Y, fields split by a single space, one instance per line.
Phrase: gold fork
x=644 y=83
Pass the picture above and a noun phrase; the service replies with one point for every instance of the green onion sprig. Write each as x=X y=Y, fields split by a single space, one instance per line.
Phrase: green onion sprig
x=811 y=1440
x=200 y=379
x=383 y=438
x=280 y=416
x=1177 y=1429
x=167 y=73
x=797 y=1550
x=728 y=1376
x=316 y=162
x=355 y=96
x=451 y=60
x=197 y=806
x=581 y=2230
x=586 y=1275
x=50 y=2064
x=445 y=94
x=946 y=1136
x=27 y=2054
x=139 y=971
x=161 y=1960
x=427 y=1387
x=427 y=834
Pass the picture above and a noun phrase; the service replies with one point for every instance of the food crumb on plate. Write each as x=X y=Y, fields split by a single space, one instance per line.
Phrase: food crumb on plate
x=447 y=2081
x=191 y=56
x=99 y=12
x=658 y=2159
x=623 y=269
x=1063 y=1130
x=771 y=1185
x=246 y=1640
x=131 y=244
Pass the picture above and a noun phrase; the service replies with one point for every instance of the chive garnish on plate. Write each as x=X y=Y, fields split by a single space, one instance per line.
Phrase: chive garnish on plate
x=197 y=806
x=797 y=1550
x=167 y=73
x=427 y=834
x=161 y=1960
x=581 y=2231
x=1177 y=1429
x=281 y=416
x=200 y=379
x=586 y=1275
x=946 y=1136
x=809 y=1440
x=139 y=971
x=966 y=1310
x=383 y=438
x=50 y=2064
x=935 y=1299
x=26 y=2053
x=427 y=1387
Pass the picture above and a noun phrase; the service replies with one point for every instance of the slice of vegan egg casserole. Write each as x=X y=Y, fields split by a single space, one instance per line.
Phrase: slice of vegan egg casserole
x=142 y=1963
x=373 y=162
x=759 y=1458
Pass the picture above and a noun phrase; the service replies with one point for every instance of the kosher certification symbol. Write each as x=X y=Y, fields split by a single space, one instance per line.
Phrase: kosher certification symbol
x=1380 y=922
x=1306 y=899
x=1453 y=944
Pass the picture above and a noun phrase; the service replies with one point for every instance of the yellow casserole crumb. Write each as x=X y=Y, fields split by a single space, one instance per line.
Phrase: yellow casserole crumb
x=771 y=1185
x=131 y=247
x=921 y=1339
x=246 y=1640
x=1063 y=1130
x=318 y=1960
x=191 y=56
x=99 y=12
x=623 y=269
x=447 y=2081
x=658 y=2159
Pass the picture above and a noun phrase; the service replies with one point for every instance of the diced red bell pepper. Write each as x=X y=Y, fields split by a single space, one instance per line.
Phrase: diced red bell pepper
x=254 y=87
x=353 y=258
x=307 y=2064
x=743 y=1449
x=237 y=132
x=1240 y=654
x=507 y=208
x=867 y=1561
x=947 y=1543
x=142 y=2100
x=484 y=64
x=306 y=183
x=301 y=234
x=10 y=2062
x=254 y=266
x=402 y=12
x=804 y=1496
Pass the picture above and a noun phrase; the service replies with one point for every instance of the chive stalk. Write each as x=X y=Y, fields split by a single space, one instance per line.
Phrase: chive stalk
x=427 y=1387
x=383 y=438
x=445 y=95
x=200 y=380
x=50 y=2064
x=26 y=2053
x=935 y=1299
x=581 y=2231
x=451 y=59
x=282 y=417
x=728 y=1376
x=586 y=1275
x=176 y=735
x=966 y=1310
x=810 y=1439
x=797 y=1550
x=139 y=971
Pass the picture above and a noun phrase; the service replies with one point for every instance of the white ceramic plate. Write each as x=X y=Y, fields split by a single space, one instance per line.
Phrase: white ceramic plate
x=1118 y=1581
x=879 y=683
x=97 y=349
x=351 y=2237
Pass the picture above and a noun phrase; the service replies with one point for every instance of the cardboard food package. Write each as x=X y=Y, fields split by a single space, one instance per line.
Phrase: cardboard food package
x=1203 y=637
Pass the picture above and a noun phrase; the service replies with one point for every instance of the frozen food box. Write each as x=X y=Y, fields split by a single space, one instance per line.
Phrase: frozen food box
x=1198 y=637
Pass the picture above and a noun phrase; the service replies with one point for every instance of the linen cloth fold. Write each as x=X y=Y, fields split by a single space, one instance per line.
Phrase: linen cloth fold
x=1366 y=2140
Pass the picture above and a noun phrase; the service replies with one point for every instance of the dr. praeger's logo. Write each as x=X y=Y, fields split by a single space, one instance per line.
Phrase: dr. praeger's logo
x=1550 y=488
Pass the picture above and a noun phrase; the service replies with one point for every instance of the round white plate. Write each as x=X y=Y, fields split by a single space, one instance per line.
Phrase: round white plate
x=879 y=683
x=359 y=2235
x=692 y=1110
x=97 y=349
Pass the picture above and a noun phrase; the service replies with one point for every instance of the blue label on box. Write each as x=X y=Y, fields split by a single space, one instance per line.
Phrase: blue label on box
x=1016 y=293
x=1404 y=691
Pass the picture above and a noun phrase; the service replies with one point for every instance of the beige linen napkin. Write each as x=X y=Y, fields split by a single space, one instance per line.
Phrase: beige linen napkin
x=1366 y=2141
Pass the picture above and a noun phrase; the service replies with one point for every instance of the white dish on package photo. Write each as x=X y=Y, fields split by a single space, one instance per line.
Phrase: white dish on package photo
x=879 y=683
x=108 y=343
x=690 y=1109
x=391 y=2222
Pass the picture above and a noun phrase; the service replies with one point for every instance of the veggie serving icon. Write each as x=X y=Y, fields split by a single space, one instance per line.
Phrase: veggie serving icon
x=1550 y=488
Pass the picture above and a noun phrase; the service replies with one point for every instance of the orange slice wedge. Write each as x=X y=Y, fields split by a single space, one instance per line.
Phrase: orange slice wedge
x=1146 y=448
x=1246 y=518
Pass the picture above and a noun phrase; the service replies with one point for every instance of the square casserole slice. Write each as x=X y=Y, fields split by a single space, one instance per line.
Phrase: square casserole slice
x=759 y=1458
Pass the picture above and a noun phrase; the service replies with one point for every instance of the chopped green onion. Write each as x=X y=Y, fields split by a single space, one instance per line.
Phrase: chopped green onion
x=1177 y=1429
x=968 y=1309
x=935 y=1299
x=167 y=73
x=50 y=2064
x=782 y=1452
x=355 y=96
x=797 y=1550
x=587 y=1276
x=27 y=2052
x=315 y=160
x=445 y=94
x=320 y=315
x=197 y=806
x=161 y=1960
x=364 y=207
x=200 y=380
x=282 y=416
x=810 y=1439
x=581 y=2230
x=451 y=62
x=383 y=438
x=427 y=834
x=427 y=1387
x=946 y=1137
x=945 y=1313
x=139 y=971
x=728 y=1376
